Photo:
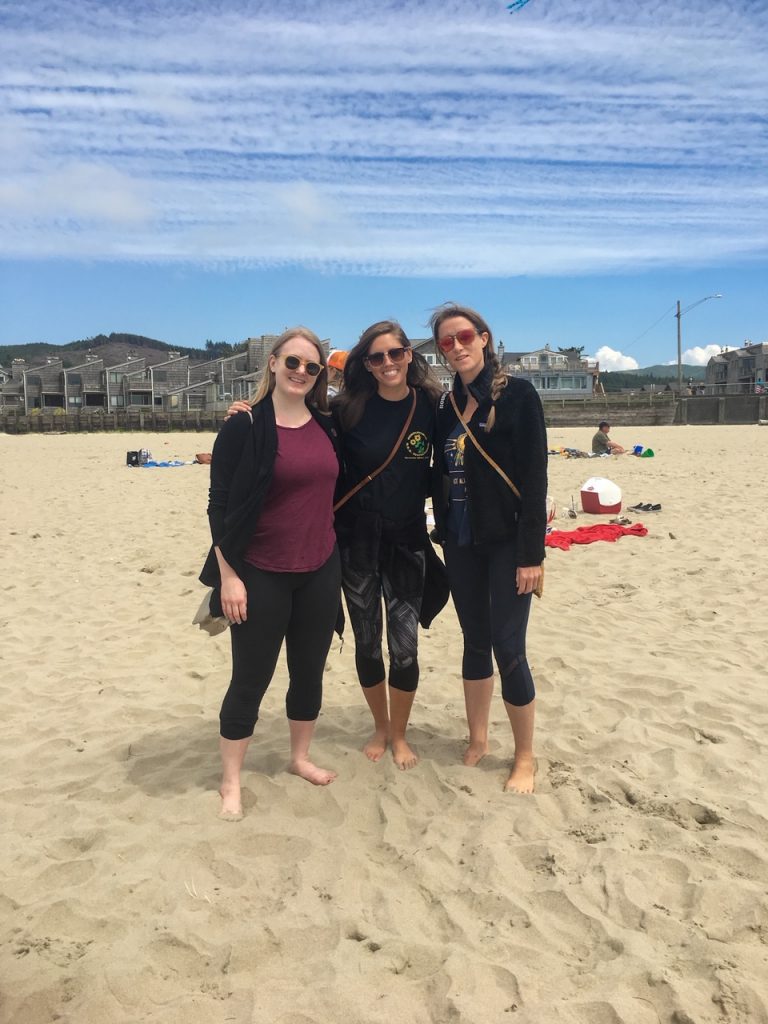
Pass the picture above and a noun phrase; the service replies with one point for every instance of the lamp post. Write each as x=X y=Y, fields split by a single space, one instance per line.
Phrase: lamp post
x=679 y=314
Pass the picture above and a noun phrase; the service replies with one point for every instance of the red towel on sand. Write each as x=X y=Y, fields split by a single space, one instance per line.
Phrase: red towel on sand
x=587 y=534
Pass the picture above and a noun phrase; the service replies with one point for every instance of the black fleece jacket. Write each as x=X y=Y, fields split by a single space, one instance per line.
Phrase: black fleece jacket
x=518 y=443
x=242 y=467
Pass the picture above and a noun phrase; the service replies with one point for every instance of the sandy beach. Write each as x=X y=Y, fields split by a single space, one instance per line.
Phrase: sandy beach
x=632 y=887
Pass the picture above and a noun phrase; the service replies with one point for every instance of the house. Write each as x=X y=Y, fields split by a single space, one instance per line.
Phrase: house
x=553 y=374
x=12 y=389
x=738 y=370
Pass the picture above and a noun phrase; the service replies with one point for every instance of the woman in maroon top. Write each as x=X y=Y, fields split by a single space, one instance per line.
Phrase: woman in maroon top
x=274 y=564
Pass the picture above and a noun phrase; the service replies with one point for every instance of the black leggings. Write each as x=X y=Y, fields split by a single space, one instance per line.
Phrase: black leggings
x=493 y=617
x=399 y=578
x=300 y=607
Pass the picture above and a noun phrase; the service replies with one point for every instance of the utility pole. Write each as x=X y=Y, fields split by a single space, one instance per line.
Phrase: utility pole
x=678 y=314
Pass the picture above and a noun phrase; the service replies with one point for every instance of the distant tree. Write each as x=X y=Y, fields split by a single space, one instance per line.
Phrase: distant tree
x=218 y=349
x=572 y=350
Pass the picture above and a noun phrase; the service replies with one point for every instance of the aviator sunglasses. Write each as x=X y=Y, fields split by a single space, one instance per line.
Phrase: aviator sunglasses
x=293 y=363
x=464 y=337
x=396 y=355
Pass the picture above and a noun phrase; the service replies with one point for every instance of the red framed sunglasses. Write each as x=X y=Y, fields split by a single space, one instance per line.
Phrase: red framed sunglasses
x=464 y=337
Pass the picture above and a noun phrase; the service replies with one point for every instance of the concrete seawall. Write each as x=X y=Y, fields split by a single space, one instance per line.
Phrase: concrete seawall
x=619 y=410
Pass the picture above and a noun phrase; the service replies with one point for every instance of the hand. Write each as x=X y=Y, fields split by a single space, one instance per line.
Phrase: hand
x=234 y=601
x=236 y=407
x=527 y=578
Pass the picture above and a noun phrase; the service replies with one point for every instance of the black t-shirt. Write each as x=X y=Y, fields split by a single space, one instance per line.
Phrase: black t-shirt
x=397 y=494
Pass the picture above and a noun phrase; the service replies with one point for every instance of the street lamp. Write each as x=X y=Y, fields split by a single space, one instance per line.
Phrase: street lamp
x=679 y=314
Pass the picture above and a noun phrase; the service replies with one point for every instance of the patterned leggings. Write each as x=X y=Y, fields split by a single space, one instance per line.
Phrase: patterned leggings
x=399 y=578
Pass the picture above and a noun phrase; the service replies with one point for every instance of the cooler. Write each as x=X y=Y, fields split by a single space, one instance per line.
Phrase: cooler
x=600 y=496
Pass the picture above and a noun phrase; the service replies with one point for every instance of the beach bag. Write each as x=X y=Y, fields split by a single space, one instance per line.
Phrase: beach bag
x=207 y=621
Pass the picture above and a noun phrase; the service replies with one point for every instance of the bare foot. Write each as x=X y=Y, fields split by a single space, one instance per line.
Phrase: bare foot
x=404 y=757
x=475 y=753
x=310 y=772
x=231 y=807
x=376 y=745
x=522 y=775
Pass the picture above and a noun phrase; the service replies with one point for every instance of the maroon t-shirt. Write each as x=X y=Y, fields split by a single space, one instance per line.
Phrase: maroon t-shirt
x=295 y=529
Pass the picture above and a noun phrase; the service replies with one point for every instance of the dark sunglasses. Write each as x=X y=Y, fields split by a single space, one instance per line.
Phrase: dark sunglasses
x=465 y=337
x=293 y=363
x=396 y=355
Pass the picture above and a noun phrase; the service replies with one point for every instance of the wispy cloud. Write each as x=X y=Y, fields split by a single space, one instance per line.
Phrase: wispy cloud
x=441 y=139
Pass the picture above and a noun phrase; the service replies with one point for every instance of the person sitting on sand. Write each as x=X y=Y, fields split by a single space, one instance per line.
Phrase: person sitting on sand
x=274 y=564
x=602 y=444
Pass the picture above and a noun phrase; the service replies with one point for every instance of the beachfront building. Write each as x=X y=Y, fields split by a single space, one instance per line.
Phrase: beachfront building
x=427 y=348
x=12 y=388
x=553 y=374
x=739 y=371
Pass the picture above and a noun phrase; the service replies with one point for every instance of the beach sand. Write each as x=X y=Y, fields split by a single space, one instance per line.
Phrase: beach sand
x=630 y=888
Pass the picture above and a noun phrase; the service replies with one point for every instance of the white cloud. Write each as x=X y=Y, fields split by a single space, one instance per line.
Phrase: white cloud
x=700 y=355
x=560 y=139
x=611 y=359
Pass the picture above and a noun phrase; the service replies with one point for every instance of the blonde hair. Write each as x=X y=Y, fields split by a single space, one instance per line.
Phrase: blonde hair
x=318 y=396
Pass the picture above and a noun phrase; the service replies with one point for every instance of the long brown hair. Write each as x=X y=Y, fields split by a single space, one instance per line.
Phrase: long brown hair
x=360 y=384
x=318 y=396
x=500 y=378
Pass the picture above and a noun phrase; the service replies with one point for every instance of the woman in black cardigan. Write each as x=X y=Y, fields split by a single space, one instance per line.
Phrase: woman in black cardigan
x=274 y=564
x=493 y=539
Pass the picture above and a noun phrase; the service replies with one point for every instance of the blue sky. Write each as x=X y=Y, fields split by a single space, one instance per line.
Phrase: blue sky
x=217 y=170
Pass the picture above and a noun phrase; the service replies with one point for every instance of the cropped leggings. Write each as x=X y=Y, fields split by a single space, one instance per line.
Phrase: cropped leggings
x=300 y=607
x=399 y=579
x=493 y=617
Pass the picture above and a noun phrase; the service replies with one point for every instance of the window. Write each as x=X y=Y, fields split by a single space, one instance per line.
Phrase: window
x=116 y=400
x=430 y=358
x=75 y=400
x=161 y=376
x=115 y=378
x=140 y=398
x=75 y=378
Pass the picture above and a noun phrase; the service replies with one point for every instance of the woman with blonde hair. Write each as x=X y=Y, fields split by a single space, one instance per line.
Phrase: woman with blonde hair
x=274 y=564
x=489 y=499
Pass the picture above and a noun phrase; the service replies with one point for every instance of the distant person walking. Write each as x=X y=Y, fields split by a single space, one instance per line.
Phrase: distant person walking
x=602 y=444
x=336 y=361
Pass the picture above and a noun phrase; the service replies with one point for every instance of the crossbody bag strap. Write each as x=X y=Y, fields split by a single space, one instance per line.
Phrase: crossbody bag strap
x=482 y=450
x=383 y=466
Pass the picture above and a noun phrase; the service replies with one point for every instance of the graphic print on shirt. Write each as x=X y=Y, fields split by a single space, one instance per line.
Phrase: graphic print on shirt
x=417 y=445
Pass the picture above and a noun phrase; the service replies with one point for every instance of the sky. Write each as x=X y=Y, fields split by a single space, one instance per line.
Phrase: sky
x=191 y=171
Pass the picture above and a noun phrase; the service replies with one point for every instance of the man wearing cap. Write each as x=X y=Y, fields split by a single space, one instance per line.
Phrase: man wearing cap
x=336 y=360
x=602 y=444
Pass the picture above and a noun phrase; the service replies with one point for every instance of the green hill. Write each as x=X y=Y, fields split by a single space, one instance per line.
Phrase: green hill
x=112 y=348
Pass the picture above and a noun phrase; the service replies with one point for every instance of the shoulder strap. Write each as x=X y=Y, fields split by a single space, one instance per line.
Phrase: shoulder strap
x=383 y=466
x=482 y=450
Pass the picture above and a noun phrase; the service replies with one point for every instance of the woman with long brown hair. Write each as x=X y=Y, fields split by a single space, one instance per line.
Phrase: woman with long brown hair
x=489 y=492
x=386 y=418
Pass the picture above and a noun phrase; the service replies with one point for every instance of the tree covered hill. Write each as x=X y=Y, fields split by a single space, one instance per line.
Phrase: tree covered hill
x=657 y=376
x=113 y=349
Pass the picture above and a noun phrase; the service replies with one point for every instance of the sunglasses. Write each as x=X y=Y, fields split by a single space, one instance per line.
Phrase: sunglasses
x=465 y=337
x=293 y=363
x=396 y=355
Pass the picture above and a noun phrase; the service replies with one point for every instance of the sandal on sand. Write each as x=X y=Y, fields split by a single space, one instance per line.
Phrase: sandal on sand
x=621 y=521
x=639 y=507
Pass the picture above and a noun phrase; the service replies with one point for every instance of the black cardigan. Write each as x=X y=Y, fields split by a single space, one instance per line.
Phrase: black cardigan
x=242 y=467
x=518 y=443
